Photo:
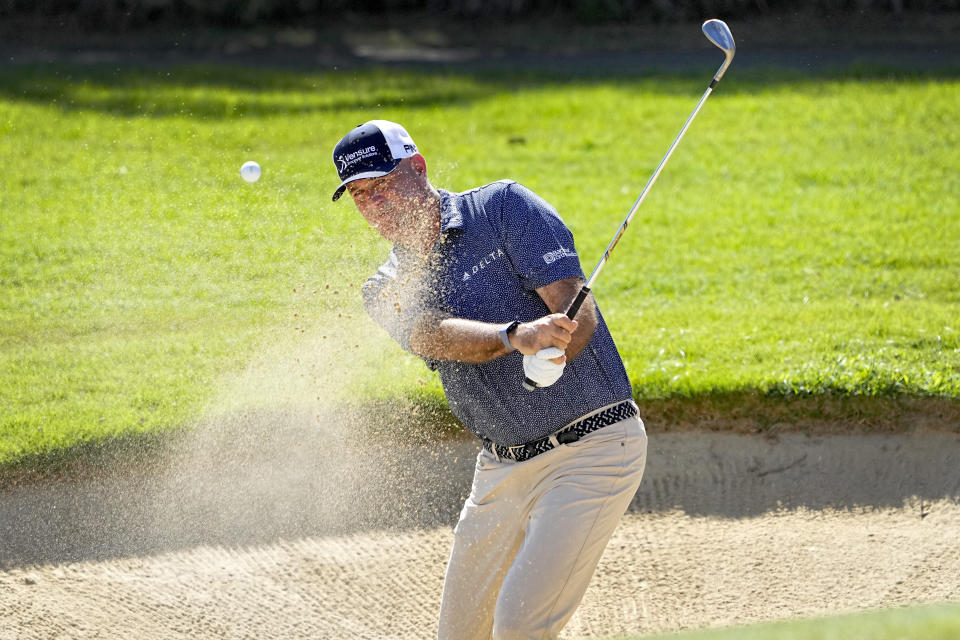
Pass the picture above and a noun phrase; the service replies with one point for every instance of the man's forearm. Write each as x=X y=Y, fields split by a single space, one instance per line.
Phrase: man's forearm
x=448 y=338
x=444 y=337
x=587 y=319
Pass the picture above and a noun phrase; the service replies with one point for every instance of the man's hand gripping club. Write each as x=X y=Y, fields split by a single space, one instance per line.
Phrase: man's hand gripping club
x=543 y=343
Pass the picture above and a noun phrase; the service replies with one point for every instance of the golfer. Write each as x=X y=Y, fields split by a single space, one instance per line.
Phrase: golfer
x=476 y=285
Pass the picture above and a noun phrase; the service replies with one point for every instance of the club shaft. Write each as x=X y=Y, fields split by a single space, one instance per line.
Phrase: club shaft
x=574 y=307
x=643 y=194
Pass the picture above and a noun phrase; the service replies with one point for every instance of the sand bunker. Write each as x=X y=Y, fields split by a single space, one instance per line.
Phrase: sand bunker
x=320 y=537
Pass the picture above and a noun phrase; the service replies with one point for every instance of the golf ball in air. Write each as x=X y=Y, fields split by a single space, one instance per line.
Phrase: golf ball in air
x=250 y=171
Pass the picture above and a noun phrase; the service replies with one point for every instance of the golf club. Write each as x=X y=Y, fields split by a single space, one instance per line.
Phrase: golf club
x=719 y=34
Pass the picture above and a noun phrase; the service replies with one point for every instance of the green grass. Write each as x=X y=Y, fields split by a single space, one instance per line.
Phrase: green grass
x=803 y=240
x=929 y=622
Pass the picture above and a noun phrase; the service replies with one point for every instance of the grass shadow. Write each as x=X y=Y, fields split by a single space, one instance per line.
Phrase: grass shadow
x=224 y=92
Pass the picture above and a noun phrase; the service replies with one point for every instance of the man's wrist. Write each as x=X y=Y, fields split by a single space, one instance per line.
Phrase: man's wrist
x=504 y=334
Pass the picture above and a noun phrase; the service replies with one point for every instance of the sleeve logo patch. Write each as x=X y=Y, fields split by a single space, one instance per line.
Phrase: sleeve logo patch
x=562 y=252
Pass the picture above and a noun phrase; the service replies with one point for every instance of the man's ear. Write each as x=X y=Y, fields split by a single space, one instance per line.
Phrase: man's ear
x=419 y=164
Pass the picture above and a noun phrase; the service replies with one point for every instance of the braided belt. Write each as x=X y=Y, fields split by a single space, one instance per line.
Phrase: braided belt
x=571 y=433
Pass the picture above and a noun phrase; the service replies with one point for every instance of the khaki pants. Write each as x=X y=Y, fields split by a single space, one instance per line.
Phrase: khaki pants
x=531 y=534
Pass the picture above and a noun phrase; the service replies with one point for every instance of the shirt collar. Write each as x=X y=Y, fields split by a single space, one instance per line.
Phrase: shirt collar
x=450 y=215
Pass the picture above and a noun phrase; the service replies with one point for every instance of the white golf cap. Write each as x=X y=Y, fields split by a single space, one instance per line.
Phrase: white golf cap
x=371 y=150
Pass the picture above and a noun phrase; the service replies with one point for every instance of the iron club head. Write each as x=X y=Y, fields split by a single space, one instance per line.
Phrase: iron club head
x=719 y=34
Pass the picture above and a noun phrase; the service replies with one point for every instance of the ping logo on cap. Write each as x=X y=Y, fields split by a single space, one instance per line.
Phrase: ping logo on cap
x=371 y=150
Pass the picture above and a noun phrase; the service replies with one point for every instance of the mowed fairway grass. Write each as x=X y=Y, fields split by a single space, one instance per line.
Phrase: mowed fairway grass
x=803 y=240
x=929 y=622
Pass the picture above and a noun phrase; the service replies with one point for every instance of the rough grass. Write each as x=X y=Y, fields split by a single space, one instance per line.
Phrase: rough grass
x=802 y=241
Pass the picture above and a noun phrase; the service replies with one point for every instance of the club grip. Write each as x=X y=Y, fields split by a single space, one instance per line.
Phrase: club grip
x=578 y=301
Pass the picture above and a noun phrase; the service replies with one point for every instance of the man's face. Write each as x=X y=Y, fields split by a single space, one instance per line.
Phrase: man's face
x=388 y=203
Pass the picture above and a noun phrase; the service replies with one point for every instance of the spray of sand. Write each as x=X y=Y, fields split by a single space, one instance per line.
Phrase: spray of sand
x=285 y=450
x=291 y=449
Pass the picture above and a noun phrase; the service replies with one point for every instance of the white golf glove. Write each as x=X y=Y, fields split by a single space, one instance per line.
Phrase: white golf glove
x=539 y=368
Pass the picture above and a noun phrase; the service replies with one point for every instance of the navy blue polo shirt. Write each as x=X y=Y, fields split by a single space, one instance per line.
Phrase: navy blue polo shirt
x=498 y=244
